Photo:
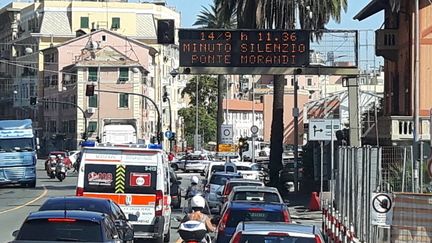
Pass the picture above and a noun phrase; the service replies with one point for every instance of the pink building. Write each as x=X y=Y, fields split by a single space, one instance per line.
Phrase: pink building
x=111 y=62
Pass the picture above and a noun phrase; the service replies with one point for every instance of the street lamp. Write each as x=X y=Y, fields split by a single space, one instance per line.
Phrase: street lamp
x=166 y=98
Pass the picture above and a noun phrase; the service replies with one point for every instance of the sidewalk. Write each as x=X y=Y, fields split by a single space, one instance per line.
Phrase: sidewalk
x=299 y=209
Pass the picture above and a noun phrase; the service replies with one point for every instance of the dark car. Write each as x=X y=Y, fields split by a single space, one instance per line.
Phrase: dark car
x=288 y=171
x=175 y=190
x=105 y=206
x=237 y=212
x=67 y=226
x=229 y=185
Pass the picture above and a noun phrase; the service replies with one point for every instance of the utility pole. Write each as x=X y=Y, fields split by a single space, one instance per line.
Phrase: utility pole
x=353 y=95
x=296 y=132
x=196 y=140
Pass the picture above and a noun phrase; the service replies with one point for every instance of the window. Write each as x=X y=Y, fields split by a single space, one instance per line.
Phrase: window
x=92 y=126
x=244 y=116
x=309 y=82
x=72 y=126
x=54 y=80
x=65 y=126
x=104 y=38
x=93 y=101
x=124 y=74
x=123 y=101
x=115 y=23
x=292 y=81
x=92 y=74
x=84 y=22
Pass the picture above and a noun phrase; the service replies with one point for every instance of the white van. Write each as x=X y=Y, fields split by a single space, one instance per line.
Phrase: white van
x=136 y=178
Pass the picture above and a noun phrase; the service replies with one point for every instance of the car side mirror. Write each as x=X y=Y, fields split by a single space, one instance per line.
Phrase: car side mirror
x=287 y=202
x=202 y=174
x=215 y=220
x=178 y=182
x=15 y=233
x=219 y=193
x=179 y=178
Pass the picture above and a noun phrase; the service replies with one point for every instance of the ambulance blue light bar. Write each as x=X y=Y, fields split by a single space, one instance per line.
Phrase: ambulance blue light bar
x=88 y=143
x=154 y=146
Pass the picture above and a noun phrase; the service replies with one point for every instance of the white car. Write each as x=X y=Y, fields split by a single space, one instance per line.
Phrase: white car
x=192 y=162
x=251 y=171
x=217 y=166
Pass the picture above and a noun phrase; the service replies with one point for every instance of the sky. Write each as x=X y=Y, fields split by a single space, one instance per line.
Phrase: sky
x=189 y=9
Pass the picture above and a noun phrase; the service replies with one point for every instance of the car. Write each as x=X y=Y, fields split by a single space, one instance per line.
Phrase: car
x=217 y=166
x=287 y=174
x=137 y=178
x=175 y=190
x=237 y=212
x=192 y=162
x=216 y=183
x=249 y=170
x=253 y=193
x=105 y=206
x=229 y=185
x=67 y=226
x=276 y=232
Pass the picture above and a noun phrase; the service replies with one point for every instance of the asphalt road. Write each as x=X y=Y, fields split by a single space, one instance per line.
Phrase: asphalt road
x=16 y=203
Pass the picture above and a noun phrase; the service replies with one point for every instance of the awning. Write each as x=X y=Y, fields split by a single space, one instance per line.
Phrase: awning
x=376 y=6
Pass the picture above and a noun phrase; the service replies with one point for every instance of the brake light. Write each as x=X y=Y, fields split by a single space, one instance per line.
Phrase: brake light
x=159 y=203
x=79 y=191
x=286 y=216
x=255 y=209
x=224 y=220
x=61 y=220
x=318 y=239
x=277 y=234
x=237 y=237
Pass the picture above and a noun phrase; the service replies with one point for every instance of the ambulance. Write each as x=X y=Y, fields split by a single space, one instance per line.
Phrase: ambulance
x=136 y=177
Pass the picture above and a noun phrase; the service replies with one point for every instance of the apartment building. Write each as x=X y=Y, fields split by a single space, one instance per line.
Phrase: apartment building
x=407 y=52
x=243 y=114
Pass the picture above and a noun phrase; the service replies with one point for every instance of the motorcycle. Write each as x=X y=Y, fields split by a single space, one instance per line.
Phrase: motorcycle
x=50 y=167
x=193 y=231
x=60 y=170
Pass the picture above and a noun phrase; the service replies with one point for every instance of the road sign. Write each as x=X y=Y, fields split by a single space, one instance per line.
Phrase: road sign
x=227 y=133
x=321 y=129
x=254 y=129
x=168 y=134
x=227 y=148
x=382 y=209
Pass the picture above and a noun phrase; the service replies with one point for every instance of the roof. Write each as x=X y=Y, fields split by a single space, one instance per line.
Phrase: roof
x=376 y=6
x=226 y=173
x=146 y=26
x=106 y=56
x=55 y=23
x=237 y=180
x=256 y=204
x=242 y=105
x=152 y=50
x=76 y=203
x=75 y=214
x=279 y=227
x=15 y=124
x=256 y=189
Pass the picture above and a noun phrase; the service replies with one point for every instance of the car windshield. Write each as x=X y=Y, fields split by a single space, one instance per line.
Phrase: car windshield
x=44 y=230
x=238 y=216
x=221 y=179
x=83 y=205
x=257 y=196
x=275 y=238
x=217 y=168
x=16 y=144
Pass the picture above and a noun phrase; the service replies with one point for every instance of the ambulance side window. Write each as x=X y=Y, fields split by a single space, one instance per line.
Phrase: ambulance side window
x=166 y=180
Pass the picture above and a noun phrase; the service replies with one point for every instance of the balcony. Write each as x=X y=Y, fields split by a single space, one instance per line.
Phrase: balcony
x=387 y=43
x=400 y=128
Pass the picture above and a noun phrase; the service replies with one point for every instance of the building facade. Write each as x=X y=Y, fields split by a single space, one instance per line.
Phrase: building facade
x=407 y=52
x=97 y=58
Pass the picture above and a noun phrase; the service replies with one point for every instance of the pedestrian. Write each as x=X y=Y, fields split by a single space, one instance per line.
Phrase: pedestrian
x=170 y=157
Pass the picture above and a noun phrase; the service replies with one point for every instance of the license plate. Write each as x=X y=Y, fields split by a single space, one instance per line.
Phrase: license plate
x=139 y=215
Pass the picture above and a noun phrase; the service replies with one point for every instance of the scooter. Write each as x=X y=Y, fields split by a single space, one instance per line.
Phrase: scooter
x=60 y=170
x=50 y=168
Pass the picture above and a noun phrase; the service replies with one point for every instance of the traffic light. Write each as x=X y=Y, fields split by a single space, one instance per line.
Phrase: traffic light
x=33 y=100
x=90 y=89
x=165 y=31
x=173 y=136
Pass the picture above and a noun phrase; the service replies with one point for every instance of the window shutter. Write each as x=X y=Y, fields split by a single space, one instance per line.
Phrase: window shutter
x=84 y=22
x=115 y=23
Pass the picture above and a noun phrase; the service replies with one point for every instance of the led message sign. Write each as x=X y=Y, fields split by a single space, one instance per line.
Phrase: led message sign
x=243 y=48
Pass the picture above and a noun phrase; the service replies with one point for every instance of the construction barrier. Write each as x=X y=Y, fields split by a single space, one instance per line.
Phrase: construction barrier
x=335 y=228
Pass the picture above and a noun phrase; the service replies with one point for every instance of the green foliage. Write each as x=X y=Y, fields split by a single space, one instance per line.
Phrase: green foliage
x=207 y=108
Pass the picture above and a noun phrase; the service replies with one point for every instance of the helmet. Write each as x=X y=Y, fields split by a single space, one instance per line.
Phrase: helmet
x=194 y=180
x=197 y=202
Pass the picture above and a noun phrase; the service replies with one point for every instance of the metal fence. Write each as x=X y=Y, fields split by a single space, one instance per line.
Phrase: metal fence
x=397 y=168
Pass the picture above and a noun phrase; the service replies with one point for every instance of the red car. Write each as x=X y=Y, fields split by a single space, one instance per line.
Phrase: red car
x=230 y=184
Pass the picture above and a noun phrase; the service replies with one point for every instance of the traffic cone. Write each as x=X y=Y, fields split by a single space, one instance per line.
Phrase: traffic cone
x=314 y=204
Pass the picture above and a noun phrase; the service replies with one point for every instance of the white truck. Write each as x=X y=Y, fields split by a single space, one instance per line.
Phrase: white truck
x=119 y=134
x=262 y=149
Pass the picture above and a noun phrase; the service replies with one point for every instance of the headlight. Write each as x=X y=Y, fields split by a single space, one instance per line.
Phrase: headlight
x=30 y=172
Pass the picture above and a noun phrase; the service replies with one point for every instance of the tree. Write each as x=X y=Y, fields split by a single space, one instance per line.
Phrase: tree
x=213 y=18
x=281 y=14
x=207 y=107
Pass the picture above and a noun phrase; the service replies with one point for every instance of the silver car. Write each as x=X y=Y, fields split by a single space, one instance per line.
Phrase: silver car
x=260 y=232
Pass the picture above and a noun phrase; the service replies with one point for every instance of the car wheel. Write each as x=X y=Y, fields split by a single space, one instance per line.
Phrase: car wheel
x=31 y=184
x=175 y=167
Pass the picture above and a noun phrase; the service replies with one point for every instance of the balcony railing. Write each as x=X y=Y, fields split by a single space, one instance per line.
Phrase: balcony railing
x=401 y=128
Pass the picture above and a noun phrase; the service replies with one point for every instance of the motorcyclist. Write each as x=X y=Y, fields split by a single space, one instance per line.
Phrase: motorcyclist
x=193 y=189
x=198 y=204
x=51 y=159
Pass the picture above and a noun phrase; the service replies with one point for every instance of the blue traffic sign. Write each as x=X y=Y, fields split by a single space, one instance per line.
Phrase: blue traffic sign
x=168 y=134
